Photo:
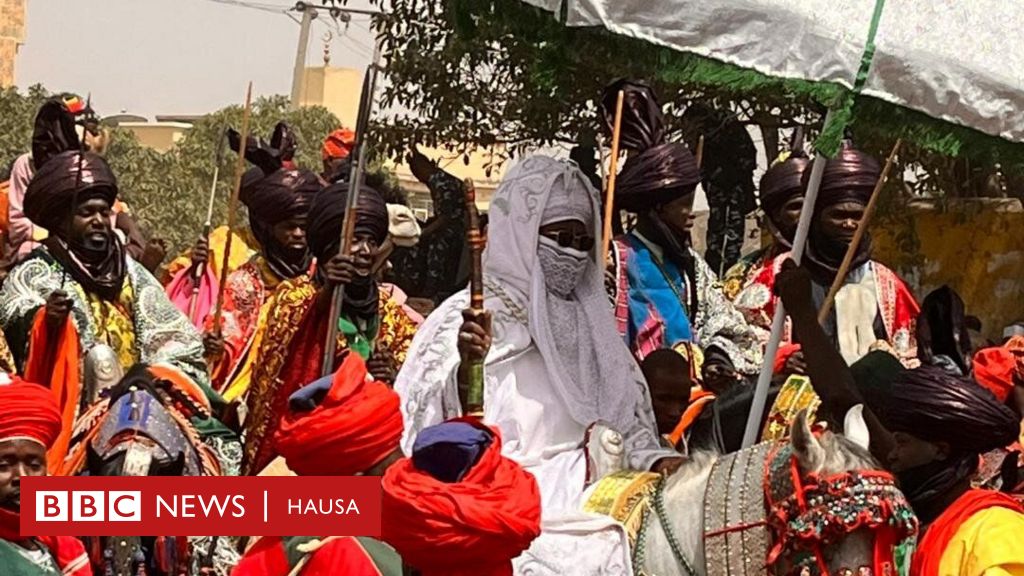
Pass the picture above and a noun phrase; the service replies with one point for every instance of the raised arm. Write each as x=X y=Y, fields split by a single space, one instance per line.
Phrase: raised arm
x=830 y=376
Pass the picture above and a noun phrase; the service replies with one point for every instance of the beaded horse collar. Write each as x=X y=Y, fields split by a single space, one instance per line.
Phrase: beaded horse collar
x=759 y=512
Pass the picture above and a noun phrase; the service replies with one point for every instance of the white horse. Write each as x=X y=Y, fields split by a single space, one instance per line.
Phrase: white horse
x=701 y=496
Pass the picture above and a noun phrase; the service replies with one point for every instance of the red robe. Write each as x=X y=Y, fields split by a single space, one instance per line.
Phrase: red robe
x=896 y=306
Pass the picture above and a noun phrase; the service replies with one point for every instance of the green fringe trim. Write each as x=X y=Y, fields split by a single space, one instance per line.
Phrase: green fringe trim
x=558 y=47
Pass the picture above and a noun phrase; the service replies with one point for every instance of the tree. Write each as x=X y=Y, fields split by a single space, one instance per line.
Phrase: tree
x=19 y=112
x=168 y=191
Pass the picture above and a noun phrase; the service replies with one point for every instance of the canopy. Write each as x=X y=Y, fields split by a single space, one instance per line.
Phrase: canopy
x=954 y=61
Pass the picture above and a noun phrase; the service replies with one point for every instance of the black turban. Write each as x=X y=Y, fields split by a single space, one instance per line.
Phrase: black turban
x=936 y=406
x=782 y=182
x=942 y=329
x=643 y=124
x=51 y=192
x=53 y=132
x=849 y=177
x=278 y=196
x=328 y=211
x=50 y=201
x=656 y=176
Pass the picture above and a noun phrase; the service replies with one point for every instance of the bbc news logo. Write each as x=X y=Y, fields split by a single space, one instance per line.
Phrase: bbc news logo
x=88 y=506
x=228 y=506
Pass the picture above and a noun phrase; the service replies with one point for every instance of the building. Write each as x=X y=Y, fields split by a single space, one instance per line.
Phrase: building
x=12 y=36
x=161 y=135
x=338 y=90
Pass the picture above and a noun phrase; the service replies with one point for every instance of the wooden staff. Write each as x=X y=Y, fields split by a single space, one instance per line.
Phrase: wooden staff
x=613 y=168
x=862 y=228
x=197 y=277
x=699 y=155
x=475 y=238
x=232 y=208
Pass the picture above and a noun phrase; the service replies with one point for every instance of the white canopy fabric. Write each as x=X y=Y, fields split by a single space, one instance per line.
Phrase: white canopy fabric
x=957 y=60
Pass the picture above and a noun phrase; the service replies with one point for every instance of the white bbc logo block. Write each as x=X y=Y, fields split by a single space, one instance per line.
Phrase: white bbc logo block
x=51 y=506
x=124 y=505
x=89 y=506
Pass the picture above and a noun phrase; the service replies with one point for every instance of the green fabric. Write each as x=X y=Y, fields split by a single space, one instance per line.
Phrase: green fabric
x=360 y=339
x=832 y=133
x=13 y=563
x=383 y=556
x=387 y=560
x=291 y=548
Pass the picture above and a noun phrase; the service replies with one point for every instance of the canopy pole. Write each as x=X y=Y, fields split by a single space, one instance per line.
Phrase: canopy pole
x=778 y=322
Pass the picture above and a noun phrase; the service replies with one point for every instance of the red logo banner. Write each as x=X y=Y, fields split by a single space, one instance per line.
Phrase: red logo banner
x=200 y=505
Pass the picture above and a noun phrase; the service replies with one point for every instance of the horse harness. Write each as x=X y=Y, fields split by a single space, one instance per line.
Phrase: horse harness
x=762 y=517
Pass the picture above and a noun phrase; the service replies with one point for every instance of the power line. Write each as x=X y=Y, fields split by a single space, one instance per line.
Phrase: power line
x=274 y=8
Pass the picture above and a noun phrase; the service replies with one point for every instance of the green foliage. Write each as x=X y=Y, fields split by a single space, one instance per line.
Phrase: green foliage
x=168 y=191
x=16 y=119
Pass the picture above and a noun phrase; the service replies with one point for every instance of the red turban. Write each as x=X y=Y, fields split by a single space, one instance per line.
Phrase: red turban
x=356 y=426
x=474 y=526
x=338 y=144
x=994 y=369
x=1016 y=346
x=28 y=412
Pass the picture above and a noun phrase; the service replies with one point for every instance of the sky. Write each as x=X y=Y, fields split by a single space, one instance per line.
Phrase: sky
x=150 y=57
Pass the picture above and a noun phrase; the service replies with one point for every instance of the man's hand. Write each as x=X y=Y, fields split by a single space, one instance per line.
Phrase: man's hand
x=795 y=364
x=474 y=336
x=58 y=306
x=668 y=465
x=200 y=253
x=793 y=286
x=420 y=166
x=340 y=270
x=213 y=344
x=154 y=253
x=381 y=366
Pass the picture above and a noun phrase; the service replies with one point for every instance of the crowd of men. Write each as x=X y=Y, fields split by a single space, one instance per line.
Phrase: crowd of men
x=645 y=340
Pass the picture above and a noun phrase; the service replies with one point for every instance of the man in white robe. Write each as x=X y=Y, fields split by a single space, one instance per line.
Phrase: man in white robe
x=554 y=365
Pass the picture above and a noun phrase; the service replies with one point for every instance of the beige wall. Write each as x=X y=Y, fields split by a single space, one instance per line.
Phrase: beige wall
x=338 y=90
x=160 y=136
x=12 y=35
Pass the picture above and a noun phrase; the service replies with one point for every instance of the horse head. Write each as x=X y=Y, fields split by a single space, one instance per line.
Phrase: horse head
x=139 y=436
x=832 y=510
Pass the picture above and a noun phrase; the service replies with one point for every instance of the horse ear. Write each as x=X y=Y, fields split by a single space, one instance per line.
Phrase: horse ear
x=809 y=452
x=855 y=428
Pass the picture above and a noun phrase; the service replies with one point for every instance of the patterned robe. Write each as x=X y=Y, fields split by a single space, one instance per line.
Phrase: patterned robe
x=291 y=352
x=897 y=309
x=249 y=294
x=651 y=297
x=141 y=325
x=743 y=272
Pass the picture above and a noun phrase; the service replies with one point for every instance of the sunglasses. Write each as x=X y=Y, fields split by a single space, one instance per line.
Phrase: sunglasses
x=566 y=239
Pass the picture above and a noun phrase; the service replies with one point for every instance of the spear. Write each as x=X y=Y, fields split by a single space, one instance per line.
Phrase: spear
x=232 y=208
x=474 y=405
x=351 y=201
x=613 y=168
x=198 y=276
x=74 y=195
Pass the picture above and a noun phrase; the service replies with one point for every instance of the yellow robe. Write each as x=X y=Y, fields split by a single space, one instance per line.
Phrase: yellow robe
x=989 y=543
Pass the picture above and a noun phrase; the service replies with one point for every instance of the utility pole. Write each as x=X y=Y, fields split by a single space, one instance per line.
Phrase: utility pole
x=308 y=14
